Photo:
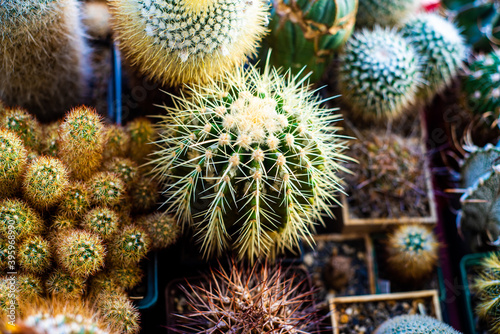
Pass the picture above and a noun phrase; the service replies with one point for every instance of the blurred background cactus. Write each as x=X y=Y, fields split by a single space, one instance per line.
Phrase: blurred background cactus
x=414 y=324
x=307 y=33
x=13 y=155
x=384 y=13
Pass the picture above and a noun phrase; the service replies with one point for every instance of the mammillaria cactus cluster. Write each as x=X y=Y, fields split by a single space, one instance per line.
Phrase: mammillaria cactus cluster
x=414 y=324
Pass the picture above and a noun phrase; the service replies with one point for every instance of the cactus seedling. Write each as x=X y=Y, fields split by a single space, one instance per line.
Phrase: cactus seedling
x=414 y=324
x=117 y=141
x=144 y=195
x=190 y=41
x=163 y=229
x=64 y=285
x=412 y=252
x=24 y=125
x=129 y=246
x=251 y=162
x=106 y=189
x=126 y=170
x=25 y=220
x=101 y=221
x=379 y=74
x=13 y=158
x=387 y=13
x=45 y=182
x=142 y=134
x=119 y=312
x=34 y=254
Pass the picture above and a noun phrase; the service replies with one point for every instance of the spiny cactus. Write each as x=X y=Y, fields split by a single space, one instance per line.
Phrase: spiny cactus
x=13 y=158
x=307 y=33
x=412 y=252
x=43 y=53
x=142 y=134
x=106 y=189
x=127 y=277
x=7 y=303
x=176 y=42
x=129 y=246
x=103 y=281
x=26 y=221
x=62 y=284
x=379 y=74
x=482 y=85
x=34 y=254
x=45 y=182
x=163 y=229
x=119 y=312
x=251 y=162
x=253 y=300
x=50 y=140
x=80 y=253
x=487 y=285
x=101 y=221
x=24 y=125
x=62 y=222
x=414 y=324
x=81 y=142
x=4 y=253
x=29 y=287
x=117 y=141
x=126 y=170
x=440 y=47
x=144 y=195
x=75 y=201
x=386 y=13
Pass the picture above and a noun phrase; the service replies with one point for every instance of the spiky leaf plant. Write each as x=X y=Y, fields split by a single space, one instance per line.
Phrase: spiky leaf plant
x=126 y=169
x=81 y=142
x=101 y=221
x=45 y=182
x=142 y=134
x=163 y=229
x=62 y=284
x=176 y=42
x=34 y=254
x=441 y=48
x=250 y=162
x=106 y=189
x=26 y=221
x=13 y=158
x=379 y=74
x=129 y=246
x=75 y=201
x=385 y=13
x=117 y=141
x=144 y=195
x=249 y=300
x=119 y=312
x=414 y=324
x=24 y=125
x=487 y=286
x=412 y=252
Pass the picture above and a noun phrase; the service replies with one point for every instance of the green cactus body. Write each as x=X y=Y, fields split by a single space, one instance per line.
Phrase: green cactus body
x=13 y=158
x=117 y=141
x=62 y=284
x=104 y=282
x=482 y=85
x=129 y=246
x=106 y=189
x=163 y=229
x=414 y=324
x=101 y=221
x=144 y=195
x=379 y=74
x=142 y=134
x=441 y=48
x=119 y=312
x=76 y=200
x=252 y=157
x=50 y=140
x=62 y=222
x=478 y=162
x=306 y=33
x=45 y=182
x=127 y=277
x=126 y=169
x=34 y=255
x=385 y=13
x=24 y=125
x=4 y=253
x=25 y=220
x=29 y=286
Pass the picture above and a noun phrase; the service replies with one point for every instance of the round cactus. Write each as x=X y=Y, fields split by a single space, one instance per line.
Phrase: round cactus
x=45 y=182
x=142 y=134
x=414 y=324
x=126 y=169
x=34 y=254
x=7 y=285
x=252 y=157
x=103 y=281
x=106 y=189
x=129 y=246
x=117 y=141
x=63 y=222
x=13 y=158
x=127 y=277
x=387 y=13
x=441 y=48
x=4 y=253
x=81 y=142
x=102 y=221
x=62 y=284
x=24 y=125
x=412 y=252
x=80 y=253
x=379 y=74
x=76 y=200
x=25 y=221
x=50 y=140
x=29 y=287
x=176 y=42
x=163 y=229
x=144 y=195
x=119 y=312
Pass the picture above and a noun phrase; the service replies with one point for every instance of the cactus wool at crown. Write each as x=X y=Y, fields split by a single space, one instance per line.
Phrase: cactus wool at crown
x=179 y=41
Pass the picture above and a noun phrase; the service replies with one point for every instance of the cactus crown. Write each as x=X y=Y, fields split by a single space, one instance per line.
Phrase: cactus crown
x=80 y=252
x=82 y=126
x=414 y=324
x=384 y=13
x=253 y=146
x=130 y=245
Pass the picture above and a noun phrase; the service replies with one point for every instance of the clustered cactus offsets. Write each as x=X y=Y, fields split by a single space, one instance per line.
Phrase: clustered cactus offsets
x=414 y=324
x=251 y=162
x=176 y=42
x=487 y=285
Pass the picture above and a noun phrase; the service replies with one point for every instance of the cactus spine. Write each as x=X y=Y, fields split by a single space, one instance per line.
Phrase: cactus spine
x=129 y=246
x=162 y=229
x=106 y=189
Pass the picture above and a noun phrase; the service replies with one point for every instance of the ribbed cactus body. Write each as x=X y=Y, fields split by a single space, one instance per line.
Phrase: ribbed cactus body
x=184 y=41
x=13 y=158
x=306 y=33
x=385 y=13
x=251 y=162
x=414 y=324
x=379 y=74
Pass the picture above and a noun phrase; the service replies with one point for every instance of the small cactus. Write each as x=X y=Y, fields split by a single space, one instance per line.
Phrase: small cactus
x=34 y=255
x=45 y=182
x=142 y=134
x=4 y=253
x=24 y=125
x=101 y=282
x=76 y=200
x=412 y=252
x=117 y=141
x=163 y=229
x=119 y=312
x=63 y=222
x=127 y=277
x=414 y=324
x=385 y=13
x=25 y=220
x=129 y=246
x=101 y=221
x=7 y=285
x=81 y=142
x=50 y=140
x=13 y=159
x=64 y=285
x=144 y=195
x=487 y=285
x=106 y=189
x=126 y=170
x=379 y=74
x=176 y=42
x=29 y=287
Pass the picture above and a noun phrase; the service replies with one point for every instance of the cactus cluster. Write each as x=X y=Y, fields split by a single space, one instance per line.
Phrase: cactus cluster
x=13 y=156
x=251 y=162
x=387 y=13
x=414 y=324
x=487 y=287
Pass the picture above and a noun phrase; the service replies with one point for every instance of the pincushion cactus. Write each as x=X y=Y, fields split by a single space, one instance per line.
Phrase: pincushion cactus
x=101 y=221
x=487 y=286
x=43 y=53
x=386 y=13
x=163 y=229
x=414 y=324
x=144 y=195
x=142 y=134
x=24 y=125
x=379 y=74
x=119 y=311
x=412 y=252
x=251 y=162
x=62 y=284
x=26 y=221
x=76 y=200
x=127 y=277
x=13 y=158
x=29 y=287
x=49 y=143
x=34 y=254
x=126 y=169
x=129 y=246
x=439 y=44
x=106 y=189
x=117 y=141
x=176 y=42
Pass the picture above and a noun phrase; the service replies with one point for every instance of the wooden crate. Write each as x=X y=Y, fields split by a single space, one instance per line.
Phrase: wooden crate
x=431 y=294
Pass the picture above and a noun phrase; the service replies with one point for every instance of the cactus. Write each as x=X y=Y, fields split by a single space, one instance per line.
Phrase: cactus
x=43 y=54
x=386 y=13
x=106 y=189
x=144 y=195
x=25 y=220
x=487 y=285
x=440 y=47
x=379 y=74
x=81 y=142
x=119 y=312
x=482 y=85
x=63 y=222
x=29 y=287
x=142 y=134
x=253 y=156
x=64 y=285
x=45 y=182
x=24 y=125
x=176 y=42
x=414 y=324
x=75 y=201
x=34 y=255
x=255 y=300
x=13 y=158
x=101 y=282
x=80 y=253
x=127 y=277
x=50 y=140
x=307 y=33
x=126 y=170
x=4 y=254
x=162 y=229
x=101 y=221
x=7 y=300
x=412 y=252
x=129 y=246
x=117 y=141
